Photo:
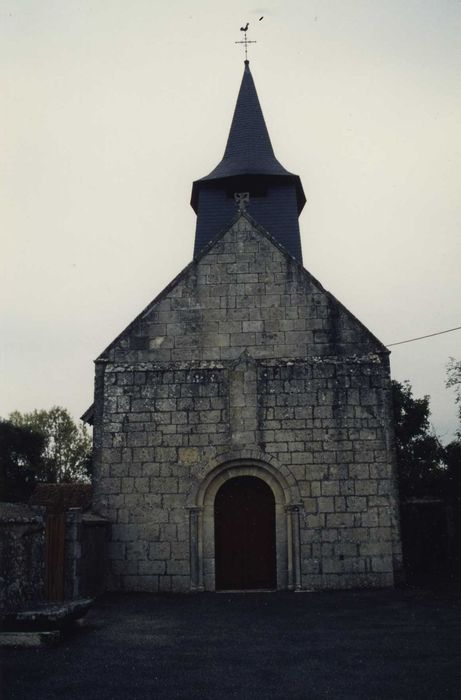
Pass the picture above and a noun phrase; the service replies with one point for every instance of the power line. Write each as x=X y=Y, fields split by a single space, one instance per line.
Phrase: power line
x=421 y=337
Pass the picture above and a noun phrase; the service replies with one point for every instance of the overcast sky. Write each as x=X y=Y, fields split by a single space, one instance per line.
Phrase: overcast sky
x=110 y=109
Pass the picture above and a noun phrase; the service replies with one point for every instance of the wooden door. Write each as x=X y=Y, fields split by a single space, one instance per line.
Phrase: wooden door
x=55 y=542
x=245 y=535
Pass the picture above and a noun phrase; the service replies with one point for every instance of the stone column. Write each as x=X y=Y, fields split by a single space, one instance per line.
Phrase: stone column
x=196 y=553
x=294 y=574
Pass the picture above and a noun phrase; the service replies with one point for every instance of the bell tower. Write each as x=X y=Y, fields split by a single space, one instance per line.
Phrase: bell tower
x=276 y=196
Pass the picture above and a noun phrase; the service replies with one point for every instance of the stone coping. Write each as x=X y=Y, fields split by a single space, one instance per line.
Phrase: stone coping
x=29 y=639
x=48 y=615
x=20 y=513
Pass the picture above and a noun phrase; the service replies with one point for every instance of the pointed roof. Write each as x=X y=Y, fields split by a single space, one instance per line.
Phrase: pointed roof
x=249 y=150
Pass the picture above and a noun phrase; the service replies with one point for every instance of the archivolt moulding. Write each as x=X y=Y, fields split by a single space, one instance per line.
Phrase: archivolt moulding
x=201 y=518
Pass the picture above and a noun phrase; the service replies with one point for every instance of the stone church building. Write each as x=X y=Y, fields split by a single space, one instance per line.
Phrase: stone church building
x=242 y=422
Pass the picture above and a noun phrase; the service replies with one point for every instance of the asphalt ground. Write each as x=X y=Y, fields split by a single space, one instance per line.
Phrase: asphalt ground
x=354 y=644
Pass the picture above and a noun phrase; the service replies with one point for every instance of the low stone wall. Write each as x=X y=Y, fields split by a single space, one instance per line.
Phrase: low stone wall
x=23 y=560
x=431 y=538
x=22 y=535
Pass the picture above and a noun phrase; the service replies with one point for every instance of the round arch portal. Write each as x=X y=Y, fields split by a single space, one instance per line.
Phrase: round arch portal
x=202 y=524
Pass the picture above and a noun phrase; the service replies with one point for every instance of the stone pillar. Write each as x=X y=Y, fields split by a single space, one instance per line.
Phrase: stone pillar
x=196 y=553
x=294 y=557
x=243 y=401
x=73 y=553
x=22 y=537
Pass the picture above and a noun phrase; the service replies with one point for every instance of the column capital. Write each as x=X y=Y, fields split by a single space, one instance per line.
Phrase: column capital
x=294 y=507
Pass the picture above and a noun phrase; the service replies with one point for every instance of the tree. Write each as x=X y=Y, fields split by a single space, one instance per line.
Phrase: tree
x=452 y=460
x=430 y=532
x=453 y=450
x=20 y=461
x=66 y=455
x=454 y=381
x=419 y=452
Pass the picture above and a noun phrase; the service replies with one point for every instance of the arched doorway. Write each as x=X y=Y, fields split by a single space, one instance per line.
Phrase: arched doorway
x=245 y=544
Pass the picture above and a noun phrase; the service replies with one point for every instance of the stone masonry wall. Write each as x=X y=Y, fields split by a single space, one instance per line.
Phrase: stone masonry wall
x=246 y=354
x=22 y=531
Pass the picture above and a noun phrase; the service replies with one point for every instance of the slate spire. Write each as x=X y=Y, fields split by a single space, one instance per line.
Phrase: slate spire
x=249 y=164
x=249 y=148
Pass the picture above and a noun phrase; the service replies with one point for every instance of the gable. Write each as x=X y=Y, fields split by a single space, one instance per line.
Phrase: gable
x=244 y=292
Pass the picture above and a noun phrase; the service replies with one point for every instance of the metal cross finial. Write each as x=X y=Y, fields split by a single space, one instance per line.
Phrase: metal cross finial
x=245 y=41
x=241 y=199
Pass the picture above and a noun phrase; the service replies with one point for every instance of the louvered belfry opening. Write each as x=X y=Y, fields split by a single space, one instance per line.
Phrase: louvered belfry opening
x=245 y=550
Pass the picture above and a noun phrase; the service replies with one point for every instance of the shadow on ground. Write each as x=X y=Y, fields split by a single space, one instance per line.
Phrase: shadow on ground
x=354 y=644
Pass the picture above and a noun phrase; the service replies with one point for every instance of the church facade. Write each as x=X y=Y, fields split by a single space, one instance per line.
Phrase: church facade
x=242 y=422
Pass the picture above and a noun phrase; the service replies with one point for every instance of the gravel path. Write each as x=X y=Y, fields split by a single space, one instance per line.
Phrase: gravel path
x=355 y=644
